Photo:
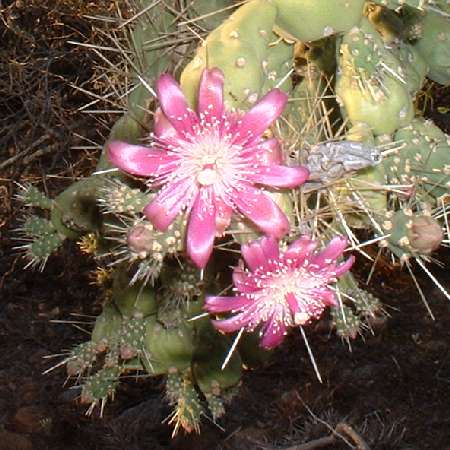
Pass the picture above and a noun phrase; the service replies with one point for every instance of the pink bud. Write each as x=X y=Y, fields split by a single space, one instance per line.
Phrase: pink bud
x=140 y=239
x=426 y=234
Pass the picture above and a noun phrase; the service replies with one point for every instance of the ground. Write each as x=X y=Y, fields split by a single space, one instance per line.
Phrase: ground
x=391 y=387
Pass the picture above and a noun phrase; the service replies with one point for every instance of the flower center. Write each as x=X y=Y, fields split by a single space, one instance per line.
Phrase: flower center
x=207 y=177
x=212 y=158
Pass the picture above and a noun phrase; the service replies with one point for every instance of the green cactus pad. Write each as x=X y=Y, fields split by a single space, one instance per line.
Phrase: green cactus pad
x=118 y=198
x=132 y=338
x=346 y=322
x=75 y=210
x=370 y=86
x=36 y=227
x=168 y=348
x=42 y=247
x=238 y=47
x=137 y=301
x=187 y=407
x=434 y=46
x=100 y=386
x=32 y=196
x=107 y=328
x=210 y=354
x=422 y=160
x=310 y=20
x=82 y=357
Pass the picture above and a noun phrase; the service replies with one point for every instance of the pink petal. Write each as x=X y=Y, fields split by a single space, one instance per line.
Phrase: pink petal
x=327 y=296
x=271 y=152
x=293 y=303
x=169 y=202
x=139 y=160
x=233 y=323
x=300 y=249
x=201 y=229
x=330 y=253
x=345 y=266
x=261 y=210
x=244 y=281
x=225 y=304
x=174 y=105
x=261 y=116
x=280 y=176
x=223 y=216
x=273 y=333
x=210 y=94
x=259 y=254
x=162 y=127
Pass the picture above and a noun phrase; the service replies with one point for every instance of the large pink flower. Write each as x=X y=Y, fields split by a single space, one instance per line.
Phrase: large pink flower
x=209 y=163
x=281 y=290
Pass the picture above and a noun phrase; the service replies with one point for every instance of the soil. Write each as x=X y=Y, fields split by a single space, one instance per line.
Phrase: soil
x=391 y=387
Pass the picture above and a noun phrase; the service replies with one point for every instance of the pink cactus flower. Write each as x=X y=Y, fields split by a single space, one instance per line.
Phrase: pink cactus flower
x=210 y=164
x=281 y=290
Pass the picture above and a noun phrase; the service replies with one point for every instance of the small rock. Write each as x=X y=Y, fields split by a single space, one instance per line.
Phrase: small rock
x=14 y=441
x=31 y=419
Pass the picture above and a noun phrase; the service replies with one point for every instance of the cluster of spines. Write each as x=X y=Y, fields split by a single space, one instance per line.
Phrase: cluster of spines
x=183 y=397
x=39 y=233
x=355 y=309
x=116 y=197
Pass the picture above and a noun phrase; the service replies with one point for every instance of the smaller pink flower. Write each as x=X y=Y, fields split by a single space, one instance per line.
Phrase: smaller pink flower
x=281 y=290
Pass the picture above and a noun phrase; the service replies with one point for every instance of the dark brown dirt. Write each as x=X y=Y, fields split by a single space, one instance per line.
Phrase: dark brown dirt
x=392 y=387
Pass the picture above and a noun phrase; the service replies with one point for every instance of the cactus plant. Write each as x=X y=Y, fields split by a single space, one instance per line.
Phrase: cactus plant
x=217 y=159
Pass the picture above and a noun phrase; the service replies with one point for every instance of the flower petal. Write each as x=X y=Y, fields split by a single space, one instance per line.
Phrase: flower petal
x=168 y=203
x=201 y=229
x=210 y=94
x=244 y=281
x=292 y=302
x=223 y=216
x=174 y=105
x=345 y=266
x=225 y=304
x=280 y=176
x=162 y=127
x=234 y=323
x=261 y=253
x=271 y=152
x=327 y=297
x=273 y=333
x=261 y=116
x=299 y=250
x=331 y=252
x=261 y=210
x=139 y=160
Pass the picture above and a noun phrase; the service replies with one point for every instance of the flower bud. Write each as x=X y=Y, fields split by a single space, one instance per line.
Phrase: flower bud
x=140 y=239
x=425 y=234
